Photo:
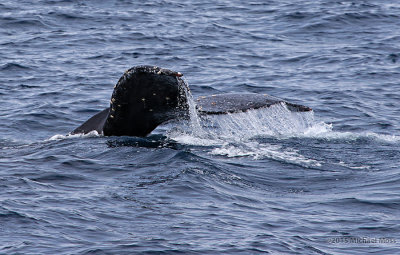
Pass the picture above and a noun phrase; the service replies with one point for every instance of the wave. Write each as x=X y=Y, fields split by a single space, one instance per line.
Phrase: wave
x=13 y=67
x=371 y=201
x=8 y=215
x=337 y=20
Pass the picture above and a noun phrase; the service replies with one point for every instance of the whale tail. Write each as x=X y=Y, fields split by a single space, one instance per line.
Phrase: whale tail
x=146 y=96
x=143 y=98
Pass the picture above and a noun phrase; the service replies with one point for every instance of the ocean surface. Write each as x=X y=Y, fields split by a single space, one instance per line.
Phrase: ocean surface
x=266 y=181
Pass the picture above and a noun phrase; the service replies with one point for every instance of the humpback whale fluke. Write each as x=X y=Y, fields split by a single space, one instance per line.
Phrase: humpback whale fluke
x=143 y=98
x=146 y=96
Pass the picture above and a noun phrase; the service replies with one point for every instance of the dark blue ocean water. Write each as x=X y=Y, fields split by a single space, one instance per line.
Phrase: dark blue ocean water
x=273 y=182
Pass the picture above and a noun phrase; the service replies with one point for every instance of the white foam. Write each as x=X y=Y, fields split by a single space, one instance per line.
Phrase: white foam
x=383 y=137
x=325 y=131
x=93 y=133
x=260 y=151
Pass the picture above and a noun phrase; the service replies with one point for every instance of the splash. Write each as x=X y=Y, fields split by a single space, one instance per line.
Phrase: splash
x=256 y=133
x=235 y=134
x=272 y=121
x=276 y=120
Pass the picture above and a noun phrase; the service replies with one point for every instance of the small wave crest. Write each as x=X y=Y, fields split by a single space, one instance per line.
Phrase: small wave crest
x=13 y=67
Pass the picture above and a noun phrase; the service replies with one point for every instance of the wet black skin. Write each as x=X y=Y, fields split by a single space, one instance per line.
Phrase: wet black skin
x=146 y=96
